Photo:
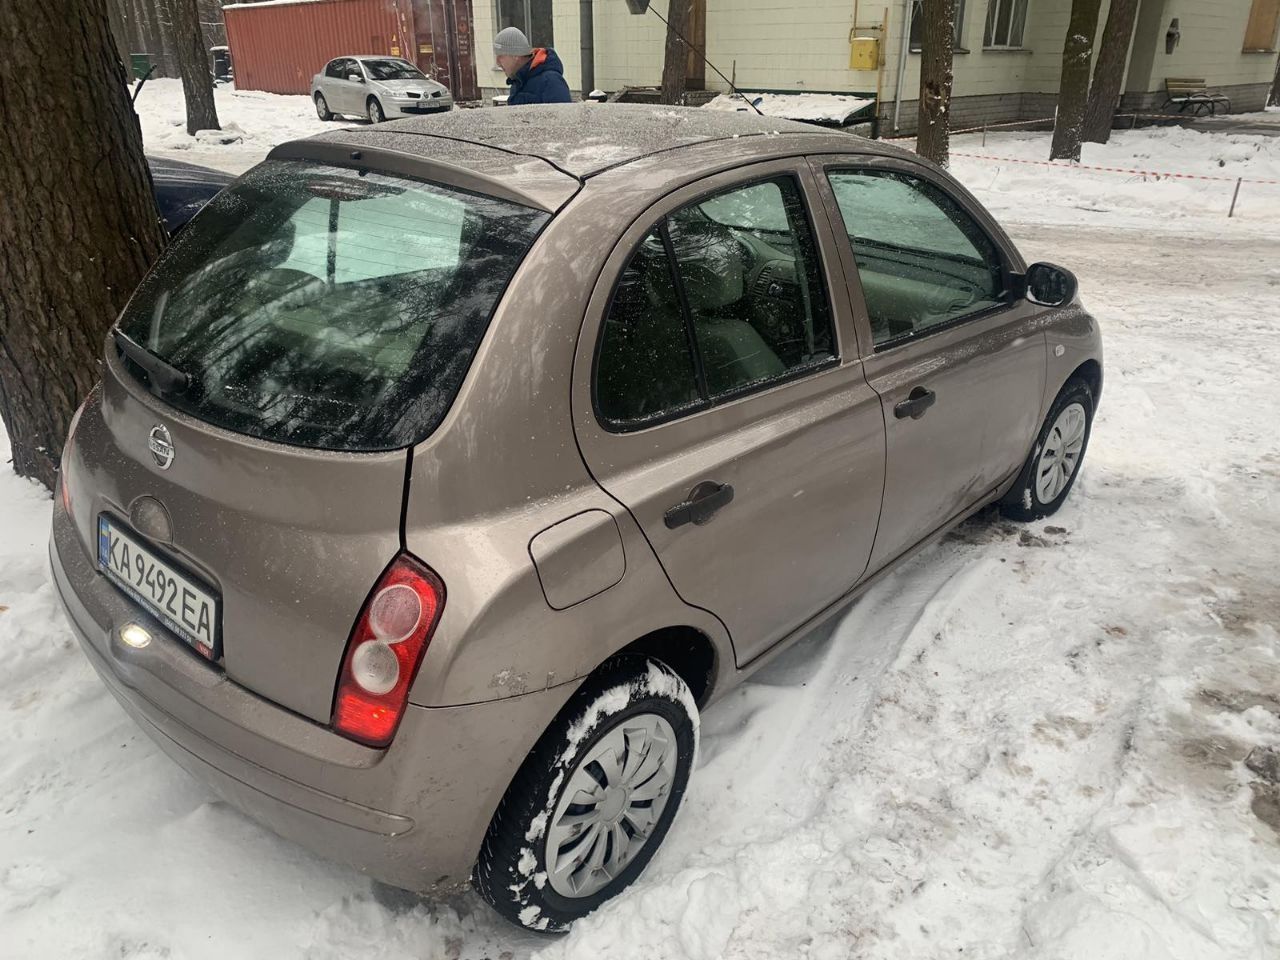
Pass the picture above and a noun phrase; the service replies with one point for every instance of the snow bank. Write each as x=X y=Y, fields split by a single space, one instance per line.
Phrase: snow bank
x=1063 y=193
x=814 y=107
x=252 y=121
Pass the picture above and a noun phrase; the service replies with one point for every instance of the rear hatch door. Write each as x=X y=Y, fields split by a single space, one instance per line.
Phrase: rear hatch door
x=264 y=386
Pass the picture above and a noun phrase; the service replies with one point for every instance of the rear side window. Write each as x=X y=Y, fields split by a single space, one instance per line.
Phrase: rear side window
x=646 y=364
x=922 y=260
x=323 y=307
x=724 y=296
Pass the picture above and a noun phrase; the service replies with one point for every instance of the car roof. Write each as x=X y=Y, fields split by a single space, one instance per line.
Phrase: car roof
x=501 y=146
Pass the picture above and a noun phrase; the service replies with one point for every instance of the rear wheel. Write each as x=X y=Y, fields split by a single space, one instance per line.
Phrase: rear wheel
x=1054 y=464
x=594 y=799
x=322 y=107
x=375 y=111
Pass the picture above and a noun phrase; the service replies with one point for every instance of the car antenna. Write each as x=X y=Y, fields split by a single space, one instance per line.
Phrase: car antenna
x=643 y=5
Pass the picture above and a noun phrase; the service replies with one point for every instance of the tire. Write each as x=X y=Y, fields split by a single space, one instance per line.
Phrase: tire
x=634 y=706
x=322 y=107
x=1062 y=443
x=374 y=110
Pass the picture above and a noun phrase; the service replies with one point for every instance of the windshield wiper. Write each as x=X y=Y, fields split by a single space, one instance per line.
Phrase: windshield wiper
x=166 y=377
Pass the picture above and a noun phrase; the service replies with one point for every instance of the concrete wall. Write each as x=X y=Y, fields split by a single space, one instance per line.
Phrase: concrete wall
x=1211 y=46
x=804 y=45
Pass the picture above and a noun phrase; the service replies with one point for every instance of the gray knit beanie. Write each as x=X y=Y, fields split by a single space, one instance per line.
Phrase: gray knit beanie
x=511 y=42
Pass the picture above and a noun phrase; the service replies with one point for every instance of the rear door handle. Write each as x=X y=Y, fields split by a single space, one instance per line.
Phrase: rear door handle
x=918 y=401
x=704 y=500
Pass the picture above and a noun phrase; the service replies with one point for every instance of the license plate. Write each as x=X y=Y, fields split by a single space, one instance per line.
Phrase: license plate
x=174 y=598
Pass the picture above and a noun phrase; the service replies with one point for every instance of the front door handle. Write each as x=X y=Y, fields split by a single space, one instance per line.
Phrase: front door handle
x=704 y=500
x=918 y=401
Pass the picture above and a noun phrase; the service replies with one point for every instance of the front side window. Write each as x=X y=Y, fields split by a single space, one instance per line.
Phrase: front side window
x=922 y=260
x=1006 y=20
x=392 y=70
x=327 y=307
x=724 y=295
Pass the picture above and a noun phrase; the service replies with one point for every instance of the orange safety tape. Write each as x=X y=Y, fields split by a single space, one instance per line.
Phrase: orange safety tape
x=1130 y=170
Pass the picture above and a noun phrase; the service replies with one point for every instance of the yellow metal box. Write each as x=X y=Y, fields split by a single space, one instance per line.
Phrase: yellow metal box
x=864 y=53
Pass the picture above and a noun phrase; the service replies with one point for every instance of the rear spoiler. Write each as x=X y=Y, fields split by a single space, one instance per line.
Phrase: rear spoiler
x=527 y=180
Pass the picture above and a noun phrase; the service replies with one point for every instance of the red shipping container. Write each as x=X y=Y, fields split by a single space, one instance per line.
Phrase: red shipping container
x=279 y=45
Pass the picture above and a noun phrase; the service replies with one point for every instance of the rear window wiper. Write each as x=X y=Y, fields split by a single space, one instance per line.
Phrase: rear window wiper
x=166 y=377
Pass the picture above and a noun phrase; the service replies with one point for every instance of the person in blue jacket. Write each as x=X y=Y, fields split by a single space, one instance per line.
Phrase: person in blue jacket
x=535 y=75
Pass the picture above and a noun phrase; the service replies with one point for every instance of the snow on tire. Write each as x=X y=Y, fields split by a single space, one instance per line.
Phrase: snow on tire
x=594 y=799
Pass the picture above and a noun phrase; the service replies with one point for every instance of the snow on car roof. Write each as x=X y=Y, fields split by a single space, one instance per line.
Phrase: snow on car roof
x=580 y=139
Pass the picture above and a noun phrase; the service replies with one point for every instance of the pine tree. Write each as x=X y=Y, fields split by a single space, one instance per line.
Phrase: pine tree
x=1108 y=70
x=78 y=219
x=675 y=63
x=1073 y=90
x=193 y=65
x=933 y=125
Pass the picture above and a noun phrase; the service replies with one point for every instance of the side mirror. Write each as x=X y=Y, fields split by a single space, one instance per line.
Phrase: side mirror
x=1050 y=285
x=355 y=78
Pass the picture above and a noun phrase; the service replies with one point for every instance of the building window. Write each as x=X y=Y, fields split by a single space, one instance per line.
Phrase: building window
x=917 y=27
x=1260 y=33
x=1005 y=22
x=532 y=17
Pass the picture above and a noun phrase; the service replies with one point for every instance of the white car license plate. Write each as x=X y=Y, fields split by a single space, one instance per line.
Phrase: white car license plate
x=175 y=599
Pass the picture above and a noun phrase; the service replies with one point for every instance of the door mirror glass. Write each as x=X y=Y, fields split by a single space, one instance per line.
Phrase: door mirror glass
x=1050 y=285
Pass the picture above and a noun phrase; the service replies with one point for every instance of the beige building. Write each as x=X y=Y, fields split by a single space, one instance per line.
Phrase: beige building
x=1007 y=65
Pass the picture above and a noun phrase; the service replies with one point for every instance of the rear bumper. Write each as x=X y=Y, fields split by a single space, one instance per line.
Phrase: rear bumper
x=413 y=815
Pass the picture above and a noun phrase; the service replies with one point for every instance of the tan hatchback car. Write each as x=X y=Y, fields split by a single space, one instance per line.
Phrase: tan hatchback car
x=442 y=472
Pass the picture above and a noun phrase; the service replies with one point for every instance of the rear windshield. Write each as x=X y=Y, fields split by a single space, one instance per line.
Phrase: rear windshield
x=328 y=308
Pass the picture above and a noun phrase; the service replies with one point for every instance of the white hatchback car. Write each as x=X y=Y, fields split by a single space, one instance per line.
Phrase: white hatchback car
x=378 y=88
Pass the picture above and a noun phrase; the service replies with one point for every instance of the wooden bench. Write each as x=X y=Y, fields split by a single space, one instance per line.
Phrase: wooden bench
x=1191 y=92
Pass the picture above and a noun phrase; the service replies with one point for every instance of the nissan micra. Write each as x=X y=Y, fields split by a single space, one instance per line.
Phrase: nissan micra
x=442 y=472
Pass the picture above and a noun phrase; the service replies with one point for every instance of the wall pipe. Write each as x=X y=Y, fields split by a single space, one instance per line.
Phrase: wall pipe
x=586 y=32
x=902 y=62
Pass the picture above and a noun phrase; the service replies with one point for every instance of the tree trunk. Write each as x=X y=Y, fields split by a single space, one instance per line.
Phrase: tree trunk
x=675 y=63
x=1073 y=91
x=193 y=65
x=1108 y=70
x=78 y=219
x=933 y=126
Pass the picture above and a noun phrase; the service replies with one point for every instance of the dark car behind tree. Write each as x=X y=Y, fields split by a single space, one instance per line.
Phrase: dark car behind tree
x=183 y=188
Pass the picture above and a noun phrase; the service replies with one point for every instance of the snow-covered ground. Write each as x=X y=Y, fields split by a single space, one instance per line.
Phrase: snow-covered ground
x=1028 y=744
x=253 y=120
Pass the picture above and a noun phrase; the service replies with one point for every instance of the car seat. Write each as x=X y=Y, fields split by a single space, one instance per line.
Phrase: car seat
x=711 y=265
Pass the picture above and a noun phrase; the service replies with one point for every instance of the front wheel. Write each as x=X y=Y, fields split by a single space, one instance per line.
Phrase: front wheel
x=1054 y=464
x=322 y=107
x=375 y=111
x=594 y=799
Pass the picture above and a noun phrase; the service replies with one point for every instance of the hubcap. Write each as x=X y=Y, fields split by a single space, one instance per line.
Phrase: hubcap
x=610 y=805
x=321 y=106
x=1061 y=453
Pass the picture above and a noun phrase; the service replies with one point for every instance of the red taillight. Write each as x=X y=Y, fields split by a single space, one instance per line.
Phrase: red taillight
x=384 y=652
